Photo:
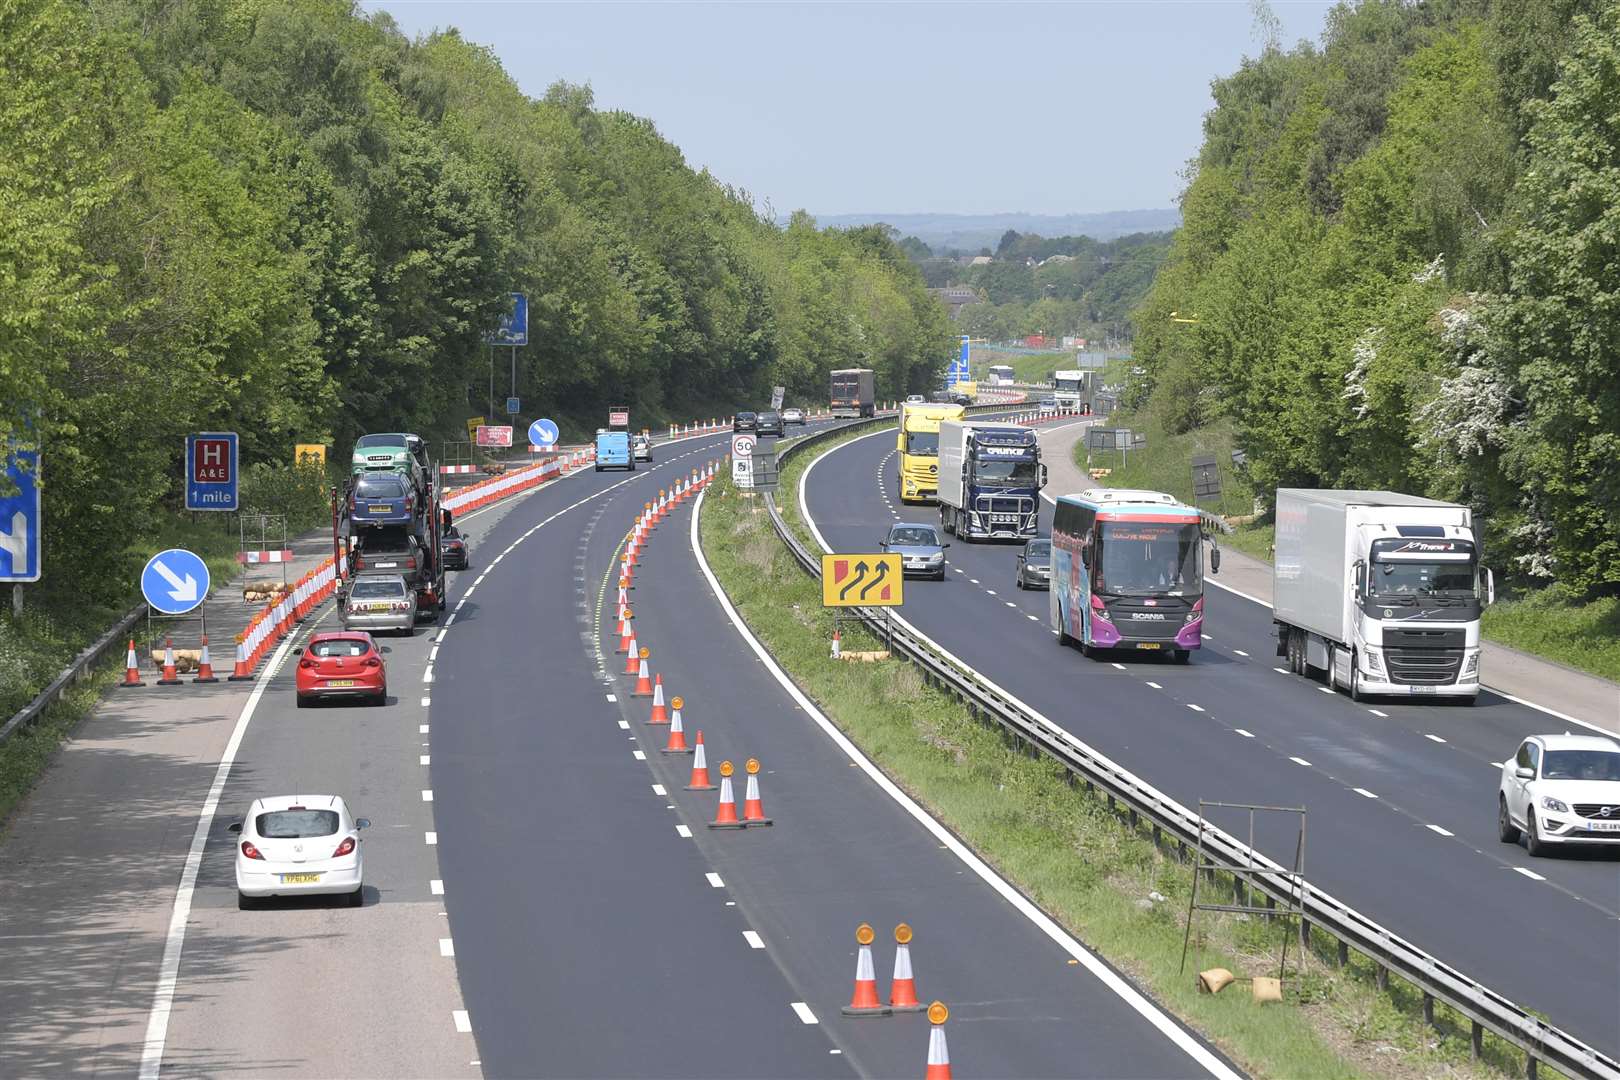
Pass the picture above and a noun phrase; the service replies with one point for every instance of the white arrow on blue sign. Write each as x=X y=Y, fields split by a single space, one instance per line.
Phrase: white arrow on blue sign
x=543 y=433
x=20 y=519
x=174 y=581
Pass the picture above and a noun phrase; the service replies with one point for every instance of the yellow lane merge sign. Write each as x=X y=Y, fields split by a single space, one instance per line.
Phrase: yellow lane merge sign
x=860 y=581
x=309 y=454
x=473 y=424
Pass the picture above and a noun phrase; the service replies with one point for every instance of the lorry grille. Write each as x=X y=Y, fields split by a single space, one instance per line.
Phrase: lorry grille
x=1419 y=637
x=1413 y=667
x=1004 y=509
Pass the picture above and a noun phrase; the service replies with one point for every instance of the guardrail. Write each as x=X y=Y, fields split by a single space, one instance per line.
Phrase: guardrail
x=75 y=672
x=1484 y=1008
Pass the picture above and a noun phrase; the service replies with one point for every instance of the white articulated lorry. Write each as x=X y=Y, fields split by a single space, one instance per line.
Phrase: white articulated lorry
x=1380 y=591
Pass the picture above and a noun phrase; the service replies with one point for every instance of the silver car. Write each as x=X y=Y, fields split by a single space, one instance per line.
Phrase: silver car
x=921 y=551
x=641 y=447
x=1035 y=565
x=379 y=602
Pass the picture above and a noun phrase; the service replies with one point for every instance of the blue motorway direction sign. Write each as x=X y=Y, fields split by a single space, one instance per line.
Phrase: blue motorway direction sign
x=514 y=325
x=513 y=406
x=20 y=518
x=211 y=466
x=174 y=581
x=958 y=369
x=542 y=433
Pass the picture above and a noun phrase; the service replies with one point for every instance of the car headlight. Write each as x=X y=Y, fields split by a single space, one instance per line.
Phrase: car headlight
x=1550 y=803
x=1375 y=659
x=938 y=556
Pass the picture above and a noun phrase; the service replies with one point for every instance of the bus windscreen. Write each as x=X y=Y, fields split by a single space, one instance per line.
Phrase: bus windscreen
x=1150 y=557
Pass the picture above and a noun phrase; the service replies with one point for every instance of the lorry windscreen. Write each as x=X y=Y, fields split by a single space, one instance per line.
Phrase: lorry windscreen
x=1150 y=557
x=1400 y=568
x=922 y=443
x=1011 y=473
x=1066 y=384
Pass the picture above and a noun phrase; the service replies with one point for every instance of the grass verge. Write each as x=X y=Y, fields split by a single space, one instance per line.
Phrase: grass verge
x=1083 y=863
x=1559 y=626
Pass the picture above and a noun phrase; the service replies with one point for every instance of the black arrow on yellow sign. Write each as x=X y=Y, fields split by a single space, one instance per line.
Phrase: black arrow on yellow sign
x=877 y=579
x=860 y=574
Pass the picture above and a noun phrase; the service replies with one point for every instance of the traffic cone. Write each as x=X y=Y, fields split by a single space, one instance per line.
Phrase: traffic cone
x=631 y=662
x=205 y=665
x=939 y=1055
x=836 y=651
x=865 y=1000
x=241 y=673
x=903 y=990
x=700 y=767
x=726 y=816
x=170 y=678
x=753 y=808
x=659 y=714
x=677 y=734
x=627 y=637
x=644 y=686
x=132 y=667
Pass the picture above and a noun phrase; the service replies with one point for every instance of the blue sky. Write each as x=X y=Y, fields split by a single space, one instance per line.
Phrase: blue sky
x=1073 y=106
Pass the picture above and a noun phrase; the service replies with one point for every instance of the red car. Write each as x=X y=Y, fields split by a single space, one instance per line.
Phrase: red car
x=343 y=663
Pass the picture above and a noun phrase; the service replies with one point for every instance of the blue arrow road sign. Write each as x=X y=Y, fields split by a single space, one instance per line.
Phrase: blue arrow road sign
x=20 y=518
x=543 y=433
x=514 y=325
x=174 y=581
x=211 y=460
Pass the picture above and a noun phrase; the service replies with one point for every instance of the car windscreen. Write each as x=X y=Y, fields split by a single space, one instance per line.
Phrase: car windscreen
x=913 y=536
x=296 y=824
x=339 y=647
x=378 y=440
x=380 y=487
x=770 y=416
x=378 y=588
x=1038 y=551
x=746 y=416
x=1580 y=765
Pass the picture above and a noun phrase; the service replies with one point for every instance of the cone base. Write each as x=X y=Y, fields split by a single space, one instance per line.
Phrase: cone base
x=239 y=678
x=683 y=750
x=210 y=679
x=167 y=682
x=658 y=723
x=881 y=1010
x=699 y=787
x=136 y=683
x=728 y=825
x=641 y=693
x=757 y=821
x=919 y=1007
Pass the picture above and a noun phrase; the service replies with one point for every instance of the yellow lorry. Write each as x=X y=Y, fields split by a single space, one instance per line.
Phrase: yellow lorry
x=917 y=449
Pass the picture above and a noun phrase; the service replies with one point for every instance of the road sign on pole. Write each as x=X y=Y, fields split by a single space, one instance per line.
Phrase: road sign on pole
x=861 y=581
x=742 y=459
x=174 y=581
x=513 y=406
x=777 y=394
x=493 y=435
x=513 y=328
x=211 y=461
x=20 y=528
x=543 y=433
x=1206 y=477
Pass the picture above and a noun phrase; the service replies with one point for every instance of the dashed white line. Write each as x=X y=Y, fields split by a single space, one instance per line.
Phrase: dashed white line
x=427 y=795
x=436 y=887
x=613 y=697
x=1326 y=689
x=624 y=724
x=1116 y=664
x=447 y=947
x=1375 y=712
x=1245 y=734
x=1300 y=761
x=432 y=838
x=804 y=1012
x=433 y=654
x=638 y=755
x=1364 y=793
x=426 y=701
x=1032 y=618
x=463 y=1024
x=427 y=674
x=1280 y=670
x=1240 y=652
x=992 y=592
x=1195 y=708
x=1495 y=764
x=973 y=580
x=1155 y=685
x=1438 y=829
x=1009 y=603
x=421 y=729
x=753 y=939
x=683 y=832
x=1433 y=738
x=714 y=880
x=422 y=759
x=1531 y=874
x=658 y=789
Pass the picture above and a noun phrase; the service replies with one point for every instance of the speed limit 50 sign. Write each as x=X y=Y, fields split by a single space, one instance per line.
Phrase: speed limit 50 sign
x=742 y=459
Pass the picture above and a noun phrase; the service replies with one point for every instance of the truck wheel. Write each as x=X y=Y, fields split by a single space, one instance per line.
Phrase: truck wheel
x=947 y=522
x=1355 y=679
x=1183 y=656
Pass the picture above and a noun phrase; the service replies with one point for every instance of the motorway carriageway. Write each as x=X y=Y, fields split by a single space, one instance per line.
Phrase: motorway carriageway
x=1401 y=798
x=534 y=904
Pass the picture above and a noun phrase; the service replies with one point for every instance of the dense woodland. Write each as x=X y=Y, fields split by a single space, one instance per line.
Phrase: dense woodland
x=1402 y=249
x=288 y=220
x=1089 y=289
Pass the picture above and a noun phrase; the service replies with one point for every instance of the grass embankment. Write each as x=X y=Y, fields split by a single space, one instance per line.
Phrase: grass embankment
x=1550 y=623
x=1083 y=863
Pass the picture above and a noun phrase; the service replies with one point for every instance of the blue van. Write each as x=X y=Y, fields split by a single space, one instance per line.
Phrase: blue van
x=613 y=451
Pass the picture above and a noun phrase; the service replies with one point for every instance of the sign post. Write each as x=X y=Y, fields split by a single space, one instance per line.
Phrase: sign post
x=20 y=519
x=211 y=471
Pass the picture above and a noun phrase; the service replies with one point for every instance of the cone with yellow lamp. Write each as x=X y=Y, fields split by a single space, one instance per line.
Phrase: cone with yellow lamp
x=903 y=990
x=864 y=1002
x=644 y=685
x=939 y=1055
x=726 y=816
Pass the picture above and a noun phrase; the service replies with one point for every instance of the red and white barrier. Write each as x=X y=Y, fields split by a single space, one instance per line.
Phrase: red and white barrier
x=260 y=558
x=458 y=470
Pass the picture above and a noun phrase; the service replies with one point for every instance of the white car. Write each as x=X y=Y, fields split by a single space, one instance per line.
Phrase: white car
x=792 y=416
x=1560 y=789
x=641 y=447
x=298 y=845
x=916 y=399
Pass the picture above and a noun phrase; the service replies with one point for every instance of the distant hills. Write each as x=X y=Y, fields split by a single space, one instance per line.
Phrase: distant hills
x=970 y=232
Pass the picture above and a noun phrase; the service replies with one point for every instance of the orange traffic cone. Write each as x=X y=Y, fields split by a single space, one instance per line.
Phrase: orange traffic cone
x=644 y=687
x=627 y=638
x=700 y=767
x=903 y=990
x=170 y=677
x=677 y=733
x=837 y=650
x=132 y=667
x=241 y=672
x=865 y=1000
x=753 y=809
x=631 y=665
x=726 y=816
x=939 y=1055
x=205 y=665
x=660 y=715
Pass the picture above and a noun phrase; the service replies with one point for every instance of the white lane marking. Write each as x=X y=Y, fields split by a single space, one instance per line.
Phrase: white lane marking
x=1433 y=738
x=801 y=1008
x=683 y=832
x=1195 y=708
x=445 y=630
x=427 y=795
x=1300 y=761
x=447 y=947
x=421 y=729
x=157 y=1020
x=427 y=674
x=956 y=570
x=1119 y=665
x=422 y=759
x=624 y=724
x=1438 y=829
x=1326 y=689
x=1364 y=793
x=1032 y=618
x=973 y=580
x=1531 y=874
x=992 y=592
x=463 y=1024
x=451 y=620
x=638 y=755
x=1375 y=712
x=714 y=880
x=1104 y=974
x=1206 y=637
x=426 y=701
x=466 y=595
x=613 y=697
x=1009 y=603
x=753 y=939
x=433 y=654
x=1280 y=670
x=1245 y=734
x=436 y=887
x=658 y=789
x=1155 y=685
x=432 y=838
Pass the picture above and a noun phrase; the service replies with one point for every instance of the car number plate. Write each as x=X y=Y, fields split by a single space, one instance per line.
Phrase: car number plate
x=300 y=879
x=340 y=682
x=387 y=565
x=1148 y=645
x=383 y=509
x=1603 y=826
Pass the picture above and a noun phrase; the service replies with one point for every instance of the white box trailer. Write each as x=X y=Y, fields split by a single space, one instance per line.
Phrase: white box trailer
x=1380 y=591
